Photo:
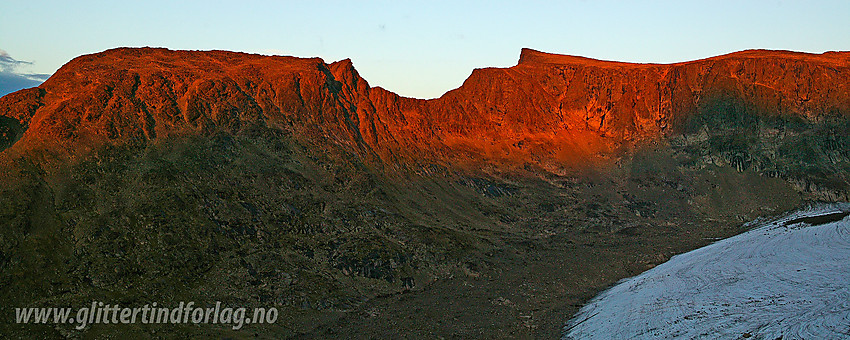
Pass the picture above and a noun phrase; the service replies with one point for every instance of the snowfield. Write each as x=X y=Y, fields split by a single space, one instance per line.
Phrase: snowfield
x=789 y=278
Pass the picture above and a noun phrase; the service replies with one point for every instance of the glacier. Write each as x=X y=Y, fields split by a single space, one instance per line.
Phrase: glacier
x=788 y=277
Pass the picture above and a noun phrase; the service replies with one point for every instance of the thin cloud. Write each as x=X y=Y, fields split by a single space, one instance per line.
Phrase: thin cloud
x=40 y=77
x=8 y=64
x=11 y=79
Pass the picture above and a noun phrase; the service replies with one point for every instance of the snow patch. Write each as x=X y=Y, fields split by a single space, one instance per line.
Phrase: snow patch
x=789 y=277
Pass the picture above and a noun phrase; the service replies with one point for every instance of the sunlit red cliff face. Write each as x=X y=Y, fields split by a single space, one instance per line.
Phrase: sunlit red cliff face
x=547 y=108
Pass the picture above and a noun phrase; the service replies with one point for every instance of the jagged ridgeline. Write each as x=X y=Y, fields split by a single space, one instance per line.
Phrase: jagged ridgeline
x=139 y=175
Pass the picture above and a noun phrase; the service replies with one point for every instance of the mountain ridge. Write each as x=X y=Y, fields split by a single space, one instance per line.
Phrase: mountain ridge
x=837 y=57
x=578 y=107
x=138 y=175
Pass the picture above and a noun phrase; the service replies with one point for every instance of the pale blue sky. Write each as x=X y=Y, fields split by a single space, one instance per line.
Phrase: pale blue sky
x=422 y=49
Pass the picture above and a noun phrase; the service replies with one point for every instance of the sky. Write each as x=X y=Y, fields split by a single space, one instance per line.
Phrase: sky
x=415 y=48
